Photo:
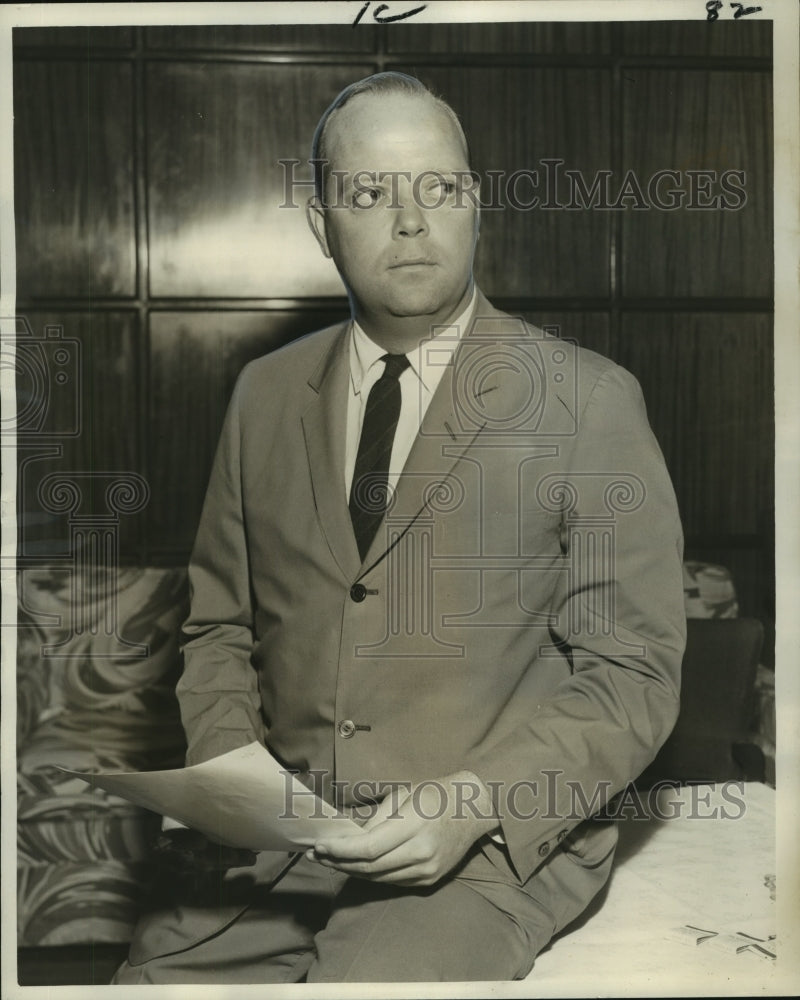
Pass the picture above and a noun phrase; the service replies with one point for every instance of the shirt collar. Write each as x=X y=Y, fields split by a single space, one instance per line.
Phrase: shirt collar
x=427 y=364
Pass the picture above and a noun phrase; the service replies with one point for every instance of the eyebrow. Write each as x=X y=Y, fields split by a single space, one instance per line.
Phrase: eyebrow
x=380 y=177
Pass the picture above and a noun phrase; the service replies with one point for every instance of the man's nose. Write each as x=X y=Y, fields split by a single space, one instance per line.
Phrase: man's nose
x=410 y=219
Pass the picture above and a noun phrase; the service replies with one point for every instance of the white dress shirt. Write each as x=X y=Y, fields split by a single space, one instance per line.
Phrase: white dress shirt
x=418 y=383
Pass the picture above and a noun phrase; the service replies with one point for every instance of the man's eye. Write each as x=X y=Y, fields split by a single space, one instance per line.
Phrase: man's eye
x=366 y=197
x=438 y=188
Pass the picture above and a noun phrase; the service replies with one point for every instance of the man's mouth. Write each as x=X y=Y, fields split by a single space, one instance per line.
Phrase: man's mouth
x=412 y=262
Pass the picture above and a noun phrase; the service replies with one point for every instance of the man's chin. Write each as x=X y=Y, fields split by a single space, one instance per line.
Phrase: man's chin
x=416 y=313
x=418 y=305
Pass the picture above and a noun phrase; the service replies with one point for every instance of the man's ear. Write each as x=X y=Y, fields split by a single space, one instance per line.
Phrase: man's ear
x=315 y=214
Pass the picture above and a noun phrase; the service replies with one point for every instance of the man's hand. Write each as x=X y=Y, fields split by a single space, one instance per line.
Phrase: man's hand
x=417 y=835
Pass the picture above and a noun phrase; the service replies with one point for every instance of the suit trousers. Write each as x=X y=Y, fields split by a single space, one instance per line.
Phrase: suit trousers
x=313 y=924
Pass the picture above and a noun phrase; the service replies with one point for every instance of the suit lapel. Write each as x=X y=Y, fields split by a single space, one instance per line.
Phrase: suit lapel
x=449 y=427
x=324 y=429
x=451 y=424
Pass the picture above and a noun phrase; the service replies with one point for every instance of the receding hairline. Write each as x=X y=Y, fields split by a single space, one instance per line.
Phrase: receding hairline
x=333 y=123
x=387 y=84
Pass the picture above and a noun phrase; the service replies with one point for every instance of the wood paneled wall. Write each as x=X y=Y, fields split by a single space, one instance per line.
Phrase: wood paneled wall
x=148 y=227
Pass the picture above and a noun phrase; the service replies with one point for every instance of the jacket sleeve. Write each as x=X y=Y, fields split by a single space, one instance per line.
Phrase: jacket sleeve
x=218 y=691
x=618 y=618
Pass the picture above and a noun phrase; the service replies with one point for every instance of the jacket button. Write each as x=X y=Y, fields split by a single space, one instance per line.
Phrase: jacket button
x=347 y=728
x=561 y=835
x=358 y=592
x=544 y=850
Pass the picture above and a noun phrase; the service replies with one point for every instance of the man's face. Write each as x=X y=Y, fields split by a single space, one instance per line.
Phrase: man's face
x=399 y=230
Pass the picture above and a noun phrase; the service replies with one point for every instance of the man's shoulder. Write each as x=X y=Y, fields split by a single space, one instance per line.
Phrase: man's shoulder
x=592 y=376
x=548 y=344
x=556 y=351
x=297 y=360
x=566 y=374
x=560 y=346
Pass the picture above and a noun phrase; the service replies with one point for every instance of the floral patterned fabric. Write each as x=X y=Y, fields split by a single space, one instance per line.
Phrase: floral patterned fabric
x=97 y=664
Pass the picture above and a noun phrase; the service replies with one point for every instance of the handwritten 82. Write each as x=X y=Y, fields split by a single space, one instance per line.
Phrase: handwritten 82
x=739 y=10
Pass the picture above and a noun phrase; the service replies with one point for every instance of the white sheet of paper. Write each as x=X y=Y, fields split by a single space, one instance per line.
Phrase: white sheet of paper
x=242 y=799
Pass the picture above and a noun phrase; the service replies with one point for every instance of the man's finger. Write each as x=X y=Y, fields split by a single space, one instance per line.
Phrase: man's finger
x=363 y=869
x=410 y=873
x=374 y=843
x=396 y=866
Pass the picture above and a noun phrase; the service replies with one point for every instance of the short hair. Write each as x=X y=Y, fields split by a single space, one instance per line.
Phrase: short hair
x=390 y=82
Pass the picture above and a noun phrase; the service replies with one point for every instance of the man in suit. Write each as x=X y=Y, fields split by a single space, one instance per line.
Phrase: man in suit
x=438 y=570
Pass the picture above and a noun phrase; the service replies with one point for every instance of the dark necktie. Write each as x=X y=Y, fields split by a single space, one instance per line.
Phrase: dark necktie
x=369 y=490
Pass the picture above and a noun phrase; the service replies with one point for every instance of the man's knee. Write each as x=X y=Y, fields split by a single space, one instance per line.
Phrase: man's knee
x=450 y=934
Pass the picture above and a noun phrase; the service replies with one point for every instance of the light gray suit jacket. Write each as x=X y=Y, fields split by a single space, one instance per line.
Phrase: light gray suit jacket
x=519 y=614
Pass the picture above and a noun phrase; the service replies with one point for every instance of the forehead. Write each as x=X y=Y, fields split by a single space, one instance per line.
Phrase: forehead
x=394 y=132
